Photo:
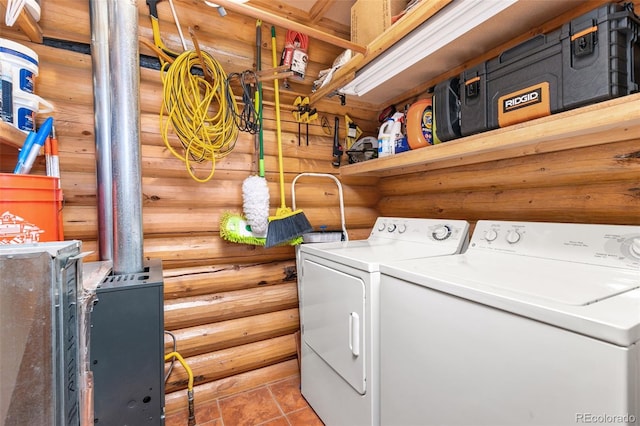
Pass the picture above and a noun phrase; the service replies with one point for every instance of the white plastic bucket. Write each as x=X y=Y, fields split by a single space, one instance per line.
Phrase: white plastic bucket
x=25 y=108
x=18 y=70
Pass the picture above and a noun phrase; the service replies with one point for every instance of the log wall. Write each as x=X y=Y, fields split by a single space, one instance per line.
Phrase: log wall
x=599 y=184
x=233 y=308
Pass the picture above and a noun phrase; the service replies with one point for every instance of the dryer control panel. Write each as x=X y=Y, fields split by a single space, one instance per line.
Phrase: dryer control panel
x=606 y=245
x=420 y=230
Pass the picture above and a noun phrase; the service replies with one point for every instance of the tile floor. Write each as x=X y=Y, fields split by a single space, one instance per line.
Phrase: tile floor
x=276 y=404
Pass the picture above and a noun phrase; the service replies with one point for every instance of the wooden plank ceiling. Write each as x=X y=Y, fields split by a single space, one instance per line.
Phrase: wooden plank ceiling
x=332 y=16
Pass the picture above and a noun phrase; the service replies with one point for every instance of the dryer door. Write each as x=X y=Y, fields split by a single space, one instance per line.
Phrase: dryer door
x=333 y=309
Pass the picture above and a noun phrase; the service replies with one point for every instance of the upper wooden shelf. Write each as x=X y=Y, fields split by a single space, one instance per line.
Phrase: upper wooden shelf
x=605 y=122
x=515 y=24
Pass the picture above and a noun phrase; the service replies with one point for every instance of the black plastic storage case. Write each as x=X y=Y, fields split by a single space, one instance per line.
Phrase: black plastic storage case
x=446 y=101
x=590 y=59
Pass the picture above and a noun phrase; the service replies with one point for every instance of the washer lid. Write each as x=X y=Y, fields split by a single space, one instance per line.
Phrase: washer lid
x=598 y=301
x=560 y=282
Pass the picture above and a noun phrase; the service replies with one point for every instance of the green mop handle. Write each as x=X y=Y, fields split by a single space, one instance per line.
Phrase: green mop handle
x=259 y=98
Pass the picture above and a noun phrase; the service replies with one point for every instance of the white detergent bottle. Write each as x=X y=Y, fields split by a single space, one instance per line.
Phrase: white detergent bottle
x=386 y=138
x=398 y=139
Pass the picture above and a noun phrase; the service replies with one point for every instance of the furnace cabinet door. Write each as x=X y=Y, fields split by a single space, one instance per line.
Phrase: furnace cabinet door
x=333 y=308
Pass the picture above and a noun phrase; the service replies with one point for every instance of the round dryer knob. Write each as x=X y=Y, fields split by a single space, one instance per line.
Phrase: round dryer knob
x=490 y=235
x=391 y=227
x=441 y=233
x=513 y=236
x=402 y=228
x=381 y=226
x=634 y=248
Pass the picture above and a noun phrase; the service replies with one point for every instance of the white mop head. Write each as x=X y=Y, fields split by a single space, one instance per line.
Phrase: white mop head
x=255 y=196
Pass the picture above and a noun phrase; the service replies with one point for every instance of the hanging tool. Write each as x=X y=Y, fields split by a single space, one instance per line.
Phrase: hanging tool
x=311 y=115
x=286 y=224
x=303 y=114
x=353 y=132
x=337 y=148
x=255 y=189
x=207 y=73
x=259 y=98
x=297 y=113
x=155 y=27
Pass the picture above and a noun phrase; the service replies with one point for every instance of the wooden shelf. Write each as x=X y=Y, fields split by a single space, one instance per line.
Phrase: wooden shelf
x=517 y=23
x=414 y=18
x=605 y=122
x=10 y=136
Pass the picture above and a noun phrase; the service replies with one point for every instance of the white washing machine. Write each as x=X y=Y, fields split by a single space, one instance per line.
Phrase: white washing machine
x=339 y=303
x=535 y=324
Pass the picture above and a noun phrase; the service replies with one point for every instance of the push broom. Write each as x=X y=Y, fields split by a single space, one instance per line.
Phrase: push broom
x=286 y=224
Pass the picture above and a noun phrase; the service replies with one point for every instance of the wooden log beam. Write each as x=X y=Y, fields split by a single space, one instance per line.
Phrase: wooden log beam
x=199 y=256
x=291 y=25
x=228 y=362
x=181 y=192
x=596 y=164
x=188 y=282
x=610 y=203
x=202 y=250
x=81 y=221
x=176 y=401
x=193 y=311
x=205 y=338
x=319 y=9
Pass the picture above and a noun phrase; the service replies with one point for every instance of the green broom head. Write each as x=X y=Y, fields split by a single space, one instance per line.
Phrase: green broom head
x=234 y=228
x=287 y=225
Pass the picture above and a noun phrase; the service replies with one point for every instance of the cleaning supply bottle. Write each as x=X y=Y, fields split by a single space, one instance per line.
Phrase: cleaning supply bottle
x=386 y=138
x=399 y=140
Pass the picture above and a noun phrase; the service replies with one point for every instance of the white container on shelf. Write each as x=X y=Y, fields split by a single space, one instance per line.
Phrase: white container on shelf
x=18 y=70
x=386 y=138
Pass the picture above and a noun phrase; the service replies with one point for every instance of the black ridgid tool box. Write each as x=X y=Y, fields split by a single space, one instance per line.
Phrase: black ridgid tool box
x=590 y=59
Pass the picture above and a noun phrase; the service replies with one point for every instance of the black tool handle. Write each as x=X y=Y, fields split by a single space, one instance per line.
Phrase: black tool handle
x=153 y=8
x=337 y=149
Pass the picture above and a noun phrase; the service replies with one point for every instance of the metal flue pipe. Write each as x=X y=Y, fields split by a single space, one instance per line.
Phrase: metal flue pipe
x=115 y=62
x=124 y=63
x=99 y=14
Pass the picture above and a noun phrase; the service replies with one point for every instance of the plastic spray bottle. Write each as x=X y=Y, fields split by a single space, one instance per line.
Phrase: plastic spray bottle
x=390 y=137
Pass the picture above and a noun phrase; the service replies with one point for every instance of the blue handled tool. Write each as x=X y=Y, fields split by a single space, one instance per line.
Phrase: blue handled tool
x=32 y=146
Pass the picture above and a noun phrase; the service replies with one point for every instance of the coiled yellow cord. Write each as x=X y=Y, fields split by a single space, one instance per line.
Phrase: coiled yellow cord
x=201 y=113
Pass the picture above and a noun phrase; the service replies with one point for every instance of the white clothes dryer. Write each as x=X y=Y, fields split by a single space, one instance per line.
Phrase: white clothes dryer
x=339 y=302
x=535 y=324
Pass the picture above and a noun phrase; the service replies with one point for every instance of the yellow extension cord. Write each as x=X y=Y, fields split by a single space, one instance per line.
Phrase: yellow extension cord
x=201 y=113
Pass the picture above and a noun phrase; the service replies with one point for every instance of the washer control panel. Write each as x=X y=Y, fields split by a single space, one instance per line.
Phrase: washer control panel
x=606 y=245
x=420 y=230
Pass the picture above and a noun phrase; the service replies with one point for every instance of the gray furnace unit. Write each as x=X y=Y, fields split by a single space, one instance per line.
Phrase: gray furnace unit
x=127 y=347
